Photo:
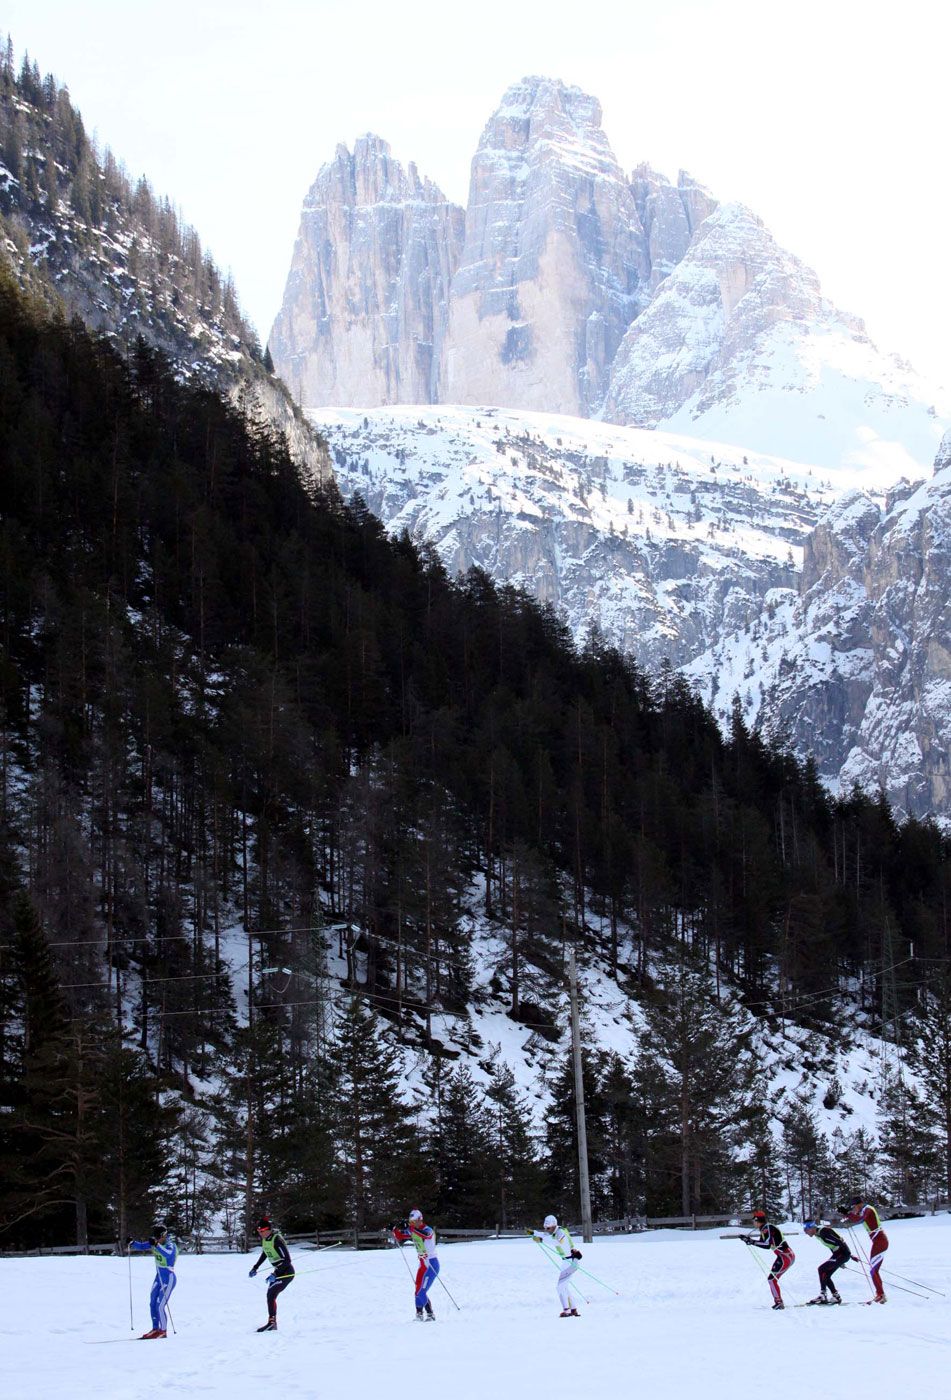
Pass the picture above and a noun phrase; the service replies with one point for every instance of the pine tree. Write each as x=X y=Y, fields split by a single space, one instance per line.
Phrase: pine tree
x=908 y=1156
x=371 y=1120
x=807 y=1162
x=698 y=1060
x=515 y=1164
x=930 y=1058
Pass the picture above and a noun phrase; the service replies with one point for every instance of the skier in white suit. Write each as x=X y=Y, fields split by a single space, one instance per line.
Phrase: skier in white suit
x=560 y=1240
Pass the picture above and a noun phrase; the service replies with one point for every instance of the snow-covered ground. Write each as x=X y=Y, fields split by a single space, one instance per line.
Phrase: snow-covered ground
x=692 y=1318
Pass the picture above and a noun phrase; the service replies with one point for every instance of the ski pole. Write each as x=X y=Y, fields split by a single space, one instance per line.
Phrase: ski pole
x=765 y=1268
x=558 y=1263
x=302 y=1273
x=408 y=1269
x=171 y=1320
x=898 y=1286
x=131 y=1320
x=862 y=1260
x=892 y=1274
x=451 y=1298
x=556 y=1259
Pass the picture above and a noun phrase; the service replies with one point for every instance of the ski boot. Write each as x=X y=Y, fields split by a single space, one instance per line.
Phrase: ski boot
x=778 y=1307
x=420 y=1315
x=565 y=1312
x=836 y=1297
x=819 y=1300
x=150 y=1336
x=269 y=1326
x=574 y=1313
x=430 y=1315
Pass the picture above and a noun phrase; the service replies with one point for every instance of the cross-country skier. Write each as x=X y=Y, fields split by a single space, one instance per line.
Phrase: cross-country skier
x=164 y=1251
x=423 y=1237
x=562 y=1242
x=841 y=1254
x=771 y=1237
x=273 y=1249
x=859 y=1212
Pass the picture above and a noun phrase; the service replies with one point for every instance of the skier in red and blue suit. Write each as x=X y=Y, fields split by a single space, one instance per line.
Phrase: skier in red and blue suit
x=164 y=1251
x=423 y=1236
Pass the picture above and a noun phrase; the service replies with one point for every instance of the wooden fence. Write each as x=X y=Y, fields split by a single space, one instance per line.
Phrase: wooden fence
x=382 y=1238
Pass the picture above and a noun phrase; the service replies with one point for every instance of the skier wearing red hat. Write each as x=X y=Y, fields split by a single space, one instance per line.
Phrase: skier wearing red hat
x=771 y=1237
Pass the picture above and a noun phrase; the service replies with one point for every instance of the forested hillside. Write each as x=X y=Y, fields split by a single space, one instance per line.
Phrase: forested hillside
x=83 y=236
x=232 y=709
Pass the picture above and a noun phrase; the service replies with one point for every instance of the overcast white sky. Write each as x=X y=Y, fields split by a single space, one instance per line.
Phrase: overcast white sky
x=828 y=117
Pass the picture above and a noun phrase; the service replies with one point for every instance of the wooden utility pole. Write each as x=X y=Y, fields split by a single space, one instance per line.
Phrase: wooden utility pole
x=583 y=1180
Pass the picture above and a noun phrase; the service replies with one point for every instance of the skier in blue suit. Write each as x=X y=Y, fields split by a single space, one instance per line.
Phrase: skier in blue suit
x=164 y=1251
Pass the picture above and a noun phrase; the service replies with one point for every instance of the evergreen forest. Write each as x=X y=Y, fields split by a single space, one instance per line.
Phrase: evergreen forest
x=280 y=802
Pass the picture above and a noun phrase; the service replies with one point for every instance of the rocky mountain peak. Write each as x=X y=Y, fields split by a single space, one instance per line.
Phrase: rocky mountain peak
x=554 y=257
x=545 y=110
x=364 y=307
x=943 y=459
x=567 y=286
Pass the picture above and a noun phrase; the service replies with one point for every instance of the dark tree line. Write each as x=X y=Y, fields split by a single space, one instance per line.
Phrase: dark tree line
x=240 y=728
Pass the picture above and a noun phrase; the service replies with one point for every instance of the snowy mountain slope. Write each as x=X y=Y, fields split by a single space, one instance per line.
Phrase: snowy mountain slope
x=661 y=540
x=855 y=666
x=738 y=344
x=350 y=1326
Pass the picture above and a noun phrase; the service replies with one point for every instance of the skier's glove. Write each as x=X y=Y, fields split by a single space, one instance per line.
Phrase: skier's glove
x=129 y=1241
x=576 y=1254
x=854 y=1258
x=152 y=1239
x=253 y=1272
x=272 y=1278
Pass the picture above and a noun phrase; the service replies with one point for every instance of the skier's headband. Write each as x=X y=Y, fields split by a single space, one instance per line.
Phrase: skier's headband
x=264 y=1226
x=809 y=1225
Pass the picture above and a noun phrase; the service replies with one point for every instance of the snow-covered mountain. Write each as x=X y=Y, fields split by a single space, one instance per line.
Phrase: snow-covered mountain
x=855 y=664
x=663 y=541
x=817 y=596
x=575 y=288
x=739 y=344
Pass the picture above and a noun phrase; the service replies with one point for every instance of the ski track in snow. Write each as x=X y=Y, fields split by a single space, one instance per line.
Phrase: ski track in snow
x=693 y=1320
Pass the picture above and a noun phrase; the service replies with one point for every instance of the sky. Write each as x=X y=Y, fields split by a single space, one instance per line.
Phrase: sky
x=829 y=118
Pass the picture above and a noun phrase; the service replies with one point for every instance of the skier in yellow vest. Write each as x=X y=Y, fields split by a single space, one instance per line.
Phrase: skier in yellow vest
x=275 y=1251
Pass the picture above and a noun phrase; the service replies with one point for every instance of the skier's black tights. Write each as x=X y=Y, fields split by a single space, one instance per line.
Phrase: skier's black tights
x=836 y=1261
x=273 y=1290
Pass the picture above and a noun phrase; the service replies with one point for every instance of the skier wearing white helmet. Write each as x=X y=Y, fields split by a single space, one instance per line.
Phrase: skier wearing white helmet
x=560 y=1240
x=415 y=1231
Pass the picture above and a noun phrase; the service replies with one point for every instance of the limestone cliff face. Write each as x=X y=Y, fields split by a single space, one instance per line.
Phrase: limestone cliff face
x=567 y=287
x=855 y=667
x=669 y=214
x=555 y=262
x=364 y=307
